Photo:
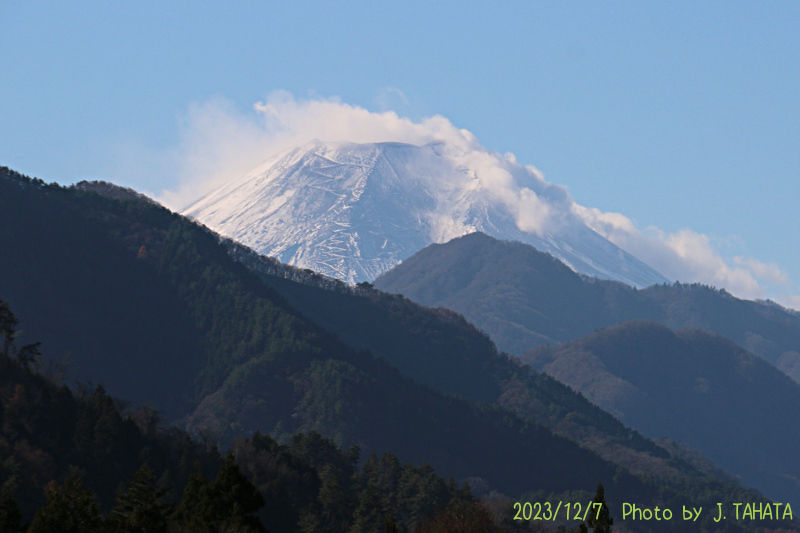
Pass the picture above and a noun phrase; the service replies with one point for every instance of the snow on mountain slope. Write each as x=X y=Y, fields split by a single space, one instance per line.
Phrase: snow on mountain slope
x=353 y=211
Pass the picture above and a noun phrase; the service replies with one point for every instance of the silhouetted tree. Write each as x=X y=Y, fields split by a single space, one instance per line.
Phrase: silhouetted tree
x=461 y=516
x=10 y=515
x=29 y=355
x=368 y=514
x=601 y=521
x=8 y=327
x=236 y=497
x=140 y=509
x=390 y=526
x=225 y=504
x=70 y=508
x=196 y=512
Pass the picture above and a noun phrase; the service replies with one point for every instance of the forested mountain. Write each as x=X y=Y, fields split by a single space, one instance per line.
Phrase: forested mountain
x=47 y=431
x=154 y=307
x=522 y=298
x=151 y=304
x=440 y=349
x=694 y=386
x=79 y=463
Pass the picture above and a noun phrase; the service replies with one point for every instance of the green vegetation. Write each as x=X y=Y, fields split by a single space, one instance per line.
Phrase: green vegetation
x=694 y=386
x=429 y=345
x=523 y=298
x=601 y=520
x=308 y=484
x=153 y=307
x=185 y=328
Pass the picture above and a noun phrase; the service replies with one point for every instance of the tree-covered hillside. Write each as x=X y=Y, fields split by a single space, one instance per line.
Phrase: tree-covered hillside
x=440 y=349
x=152 y=305
x=523 y=298
x=103 y=271
x=694 y=386
x=80 y=463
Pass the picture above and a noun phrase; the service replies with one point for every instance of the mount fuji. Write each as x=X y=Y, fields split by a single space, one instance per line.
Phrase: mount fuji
x=353 y=211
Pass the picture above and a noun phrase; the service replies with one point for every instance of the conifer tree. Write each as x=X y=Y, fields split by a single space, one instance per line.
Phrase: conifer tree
x=10 y=515
x=196 y=510
x=601 y=521
x=390 y=526
x=140 y=509
x=225 y=504
x=337 y=504
x=30 y=354
x=70 y=508
x=8 y=327
x=332 y=512
x=236 y=496
x=367 y=516
x=461 y=516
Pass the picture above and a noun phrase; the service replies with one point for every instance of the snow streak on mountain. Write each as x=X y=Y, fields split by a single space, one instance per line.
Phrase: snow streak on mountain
x=353 y=211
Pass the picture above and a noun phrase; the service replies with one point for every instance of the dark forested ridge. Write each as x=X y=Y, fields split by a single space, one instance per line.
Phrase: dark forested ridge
x=152 y=306
x=515 y=292
x=522 y=298
x=230 y=351
x=440 y=349
x=694 y=386
x=78 y=463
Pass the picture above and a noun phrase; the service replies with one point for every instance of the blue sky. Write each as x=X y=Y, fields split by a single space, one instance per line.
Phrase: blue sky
x=679 y=115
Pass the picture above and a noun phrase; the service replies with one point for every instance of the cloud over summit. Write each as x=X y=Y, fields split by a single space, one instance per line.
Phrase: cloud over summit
x=221 y=144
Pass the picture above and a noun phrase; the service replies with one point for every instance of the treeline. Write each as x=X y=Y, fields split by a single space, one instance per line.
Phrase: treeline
x=79 y=462
x=154 y=306
x=383 y=496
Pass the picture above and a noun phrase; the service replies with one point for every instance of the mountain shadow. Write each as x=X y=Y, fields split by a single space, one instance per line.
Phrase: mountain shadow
x=694 y=386
x=152 y=304
x=523 y=298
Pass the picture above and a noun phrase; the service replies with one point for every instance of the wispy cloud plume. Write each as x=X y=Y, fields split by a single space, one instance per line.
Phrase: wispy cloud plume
x=221 y=144
x=685 y=255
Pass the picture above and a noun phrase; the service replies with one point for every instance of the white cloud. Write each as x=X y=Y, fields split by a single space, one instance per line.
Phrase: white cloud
x=789 y=300
x=771 y=272
x=218 y=144
x=221 y=144
x=685 y=255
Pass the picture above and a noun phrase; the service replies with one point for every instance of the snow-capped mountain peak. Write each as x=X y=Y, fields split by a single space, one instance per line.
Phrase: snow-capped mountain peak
x=353 y=211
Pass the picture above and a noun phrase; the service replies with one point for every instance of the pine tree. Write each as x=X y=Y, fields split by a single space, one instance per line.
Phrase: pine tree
x=601 y=521
x=140 y=509
x=70 y=508
x=196 y=511
x=333 y=510
x=236 y=496
x=8 y=327
x=390 y=526
x=30 y=354
x=225 y=504
x=10 y=515
x=367 y=516
x=461 y=516
x=337 y=504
